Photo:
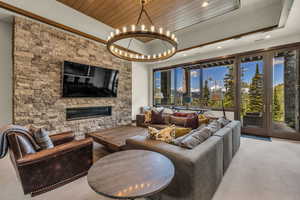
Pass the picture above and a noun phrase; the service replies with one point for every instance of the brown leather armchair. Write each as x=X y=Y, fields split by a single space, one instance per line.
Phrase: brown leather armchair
x=42 y=171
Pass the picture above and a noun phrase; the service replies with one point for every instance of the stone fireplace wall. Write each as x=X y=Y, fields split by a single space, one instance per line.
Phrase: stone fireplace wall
x=38 y=54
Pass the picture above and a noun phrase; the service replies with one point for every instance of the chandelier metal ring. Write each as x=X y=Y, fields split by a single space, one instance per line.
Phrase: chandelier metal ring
x=142 y=32
x=150 y=32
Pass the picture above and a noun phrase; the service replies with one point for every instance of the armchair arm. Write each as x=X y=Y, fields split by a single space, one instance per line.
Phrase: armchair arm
x=62 y=138
x=53 y=152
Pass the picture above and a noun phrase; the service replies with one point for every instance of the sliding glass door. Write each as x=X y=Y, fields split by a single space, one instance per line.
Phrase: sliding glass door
x=284 y=94
x=253 y=94
x=269 y=94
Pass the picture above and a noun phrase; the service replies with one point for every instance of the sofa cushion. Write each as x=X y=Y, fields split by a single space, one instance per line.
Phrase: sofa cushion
x=157 y=117
x=166 y=135
x=26 y=146
x=192 y=121
x=195 y=138
x=179 y=121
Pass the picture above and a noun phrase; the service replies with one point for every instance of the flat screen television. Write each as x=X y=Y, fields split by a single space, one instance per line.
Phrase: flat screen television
x=81 y=80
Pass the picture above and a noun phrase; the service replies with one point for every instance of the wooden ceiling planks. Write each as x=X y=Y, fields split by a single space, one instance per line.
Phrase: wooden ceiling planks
x=173 y=15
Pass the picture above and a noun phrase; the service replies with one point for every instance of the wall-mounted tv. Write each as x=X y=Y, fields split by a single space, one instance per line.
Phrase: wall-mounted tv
x=81 y=80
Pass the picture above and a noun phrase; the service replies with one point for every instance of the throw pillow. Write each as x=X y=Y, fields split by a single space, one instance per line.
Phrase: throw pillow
x=147 y=116
x=168 y=111
x=179 y=121
x=42 y=138
x=177 y=140
x=195 y=138
x=202 y=119
x=214 y=126
x=179 y=132
x=211 y=115
x=223 y=121
x=179 y=114
x=157 y=117
x=166 y=135
x=192 y=121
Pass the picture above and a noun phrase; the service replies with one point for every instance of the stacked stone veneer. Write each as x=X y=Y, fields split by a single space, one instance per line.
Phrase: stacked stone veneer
x=39 y=52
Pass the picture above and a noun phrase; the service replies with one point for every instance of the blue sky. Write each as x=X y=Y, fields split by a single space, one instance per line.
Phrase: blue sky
x=217 y=74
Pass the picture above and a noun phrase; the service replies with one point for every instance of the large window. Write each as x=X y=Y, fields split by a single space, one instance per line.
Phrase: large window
x=206 y=86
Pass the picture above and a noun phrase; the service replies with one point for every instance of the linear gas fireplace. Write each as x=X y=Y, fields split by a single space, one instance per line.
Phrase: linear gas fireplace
x=87 y=112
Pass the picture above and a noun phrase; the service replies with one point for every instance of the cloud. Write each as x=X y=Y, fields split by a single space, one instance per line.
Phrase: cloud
x=195 y=90
x=194 y=73
x=278 y=61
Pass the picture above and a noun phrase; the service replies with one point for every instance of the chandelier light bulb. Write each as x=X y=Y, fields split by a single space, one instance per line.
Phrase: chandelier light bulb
x=143 y=27
x=165 y=53
x=169 y=51
x=124 y=29
x=168 y=33
x=173 y=49
x=161 y=30
x=176 y=40
x=148 y=56
x=112 y=34
x=159 y=55
x=112 y=48
x=136 y=56
x=117 y=31
x=133 y=27
x=173 y=36
x=131 y=56
x=154 y=56
x=143 y=56
x=152 y=28
x=121 y=52
x=125 y=54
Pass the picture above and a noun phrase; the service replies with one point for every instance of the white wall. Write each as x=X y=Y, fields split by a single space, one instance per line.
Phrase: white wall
x=58 y=12
x=140 y=90
x=5 y=73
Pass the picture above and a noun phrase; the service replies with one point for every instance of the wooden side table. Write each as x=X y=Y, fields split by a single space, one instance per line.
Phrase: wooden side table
x=131 y=174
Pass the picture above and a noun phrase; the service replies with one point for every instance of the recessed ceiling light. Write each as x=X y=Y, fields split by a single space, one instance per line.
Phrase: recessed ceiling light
x=205 y=4
x=219 y=47
x=268 y=36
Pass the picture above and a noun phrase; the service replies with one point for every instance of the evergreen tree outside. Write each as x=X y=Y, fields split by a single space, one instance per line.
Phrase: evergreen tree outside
x=206 y=93
x=278 y=103
x=229 y=88
x=276 y=106
x=256 y=92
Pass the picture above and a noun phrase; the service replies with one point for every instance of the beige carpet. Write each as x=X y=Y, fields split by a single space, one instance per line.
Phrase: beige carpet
x=260 y=171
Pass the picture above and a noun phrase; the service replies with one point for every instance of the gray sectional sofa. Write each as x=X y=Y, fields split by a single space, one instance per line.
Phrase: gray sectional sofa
x=199 y=171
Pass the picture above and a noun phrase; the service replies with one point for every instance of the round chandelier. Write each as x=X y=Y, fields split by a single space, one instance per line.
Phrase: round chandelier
x=167 y=38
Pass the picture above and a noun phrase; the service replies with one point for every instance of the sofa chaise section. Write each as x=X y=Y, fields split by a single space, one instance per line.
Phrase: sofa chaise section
x=198 y=172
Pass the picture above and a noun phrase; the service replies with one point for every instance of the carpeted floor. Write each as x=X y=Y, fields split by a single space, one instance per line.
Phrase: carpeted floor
x=261 y=170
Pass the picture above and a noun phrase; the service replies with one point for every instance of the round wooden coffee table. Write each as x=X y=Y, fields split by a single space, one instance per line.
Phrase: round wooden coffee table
x=131 y=174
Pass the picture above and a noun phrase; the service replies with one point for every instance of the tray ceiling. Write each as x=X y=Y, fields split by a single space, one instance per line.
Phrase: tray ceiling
x=173 y=15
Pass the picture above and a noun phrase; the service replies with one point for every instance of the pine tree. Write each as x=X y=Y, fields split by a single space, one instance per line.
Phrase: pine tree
x=229 y=87
x=276 y=106
x=256 y=92
x=206 y=93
